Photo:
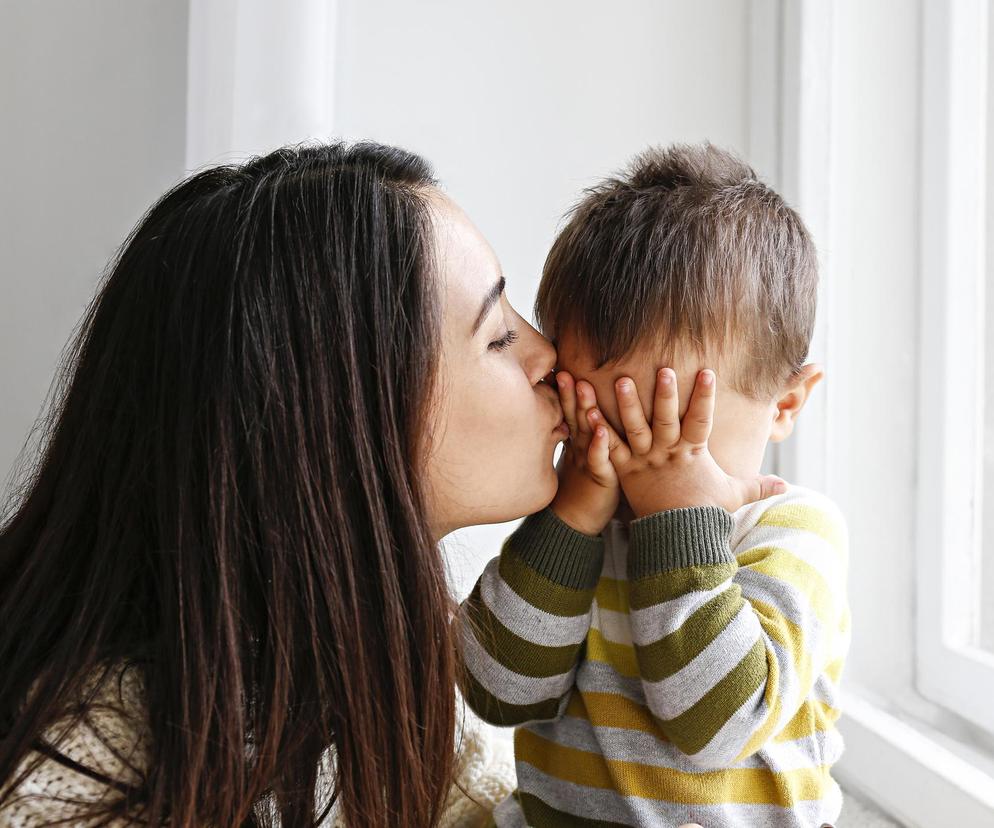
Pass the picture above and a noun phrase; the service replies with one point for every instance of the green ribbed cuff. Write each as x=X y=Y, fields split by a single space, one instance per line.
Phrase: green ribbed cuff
x=678 y=538
x=557 y=551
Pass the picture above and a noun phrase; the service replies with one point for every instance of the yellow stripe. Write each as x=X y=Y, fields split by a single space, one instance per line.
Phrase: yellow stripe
x=612 y=595
x=783 y=565
x=808 y=518
x=834 y=670
x=613 y=710
x=735 y=785
x=793 y=640
x=619 y=656
x=813 y=716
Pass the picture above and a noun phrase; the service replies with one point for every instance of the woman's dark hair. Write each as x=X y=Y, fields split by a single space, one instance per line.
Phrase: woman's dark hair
x=229 y=498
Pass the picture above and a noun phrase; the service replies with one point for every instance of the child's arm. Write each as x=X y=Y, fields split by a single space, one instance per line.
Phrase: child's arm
x=721 y=672
x=523 y=627
x=524 y=624
x=730 y=646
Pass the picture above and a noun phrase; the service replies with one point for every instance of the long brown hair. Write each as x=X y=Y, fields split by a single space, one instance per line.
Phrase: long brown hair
x=228 y=498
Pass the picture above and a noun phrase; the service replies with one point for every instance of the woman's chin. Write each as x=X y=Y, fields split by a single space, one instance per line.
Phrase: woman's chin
x=551 y=485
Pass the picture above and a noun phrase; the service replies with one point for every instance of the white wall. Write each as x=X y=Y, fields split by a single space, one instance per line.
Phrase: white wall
x=93 y=99
x=521 y=104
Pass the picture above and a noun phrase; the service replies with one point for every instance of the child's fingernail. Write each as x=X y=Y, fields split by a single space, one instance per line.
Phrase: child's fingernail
x=601 y=432
x=664 y=377
x=624 y=387
x=706 y=379
x=594 y=415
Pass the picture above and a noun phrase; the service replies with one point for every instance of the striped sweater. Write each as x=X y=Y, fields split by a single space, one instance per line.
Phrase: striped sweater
x=683 y=668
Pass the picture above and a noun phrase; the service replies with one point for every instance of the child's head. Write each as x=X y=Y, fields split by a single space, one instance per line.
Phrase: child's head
x=688 y=260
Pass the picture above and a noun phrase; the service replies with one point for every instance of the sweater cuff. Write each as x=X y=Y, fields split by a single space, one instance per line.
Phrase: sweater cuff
x=557 y=551
x=679 y=538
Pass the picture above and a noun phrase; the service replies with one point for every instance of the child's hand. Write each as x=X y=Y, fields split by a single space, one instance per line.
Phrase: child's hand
x=668 y=465
x=588 y=485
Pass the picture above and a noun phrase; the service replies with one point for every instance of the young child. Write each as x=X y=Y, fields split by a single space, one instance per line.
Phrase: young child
x=668 y=654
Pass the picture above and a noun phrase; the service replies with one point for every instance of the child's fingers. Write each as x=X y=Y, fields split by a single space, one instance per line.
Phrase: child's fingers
x=586 y=399
x=697 y=421
x=666 y=409
x=632 y=416
x=617 y=448
x=599 y=456
x=567 y=399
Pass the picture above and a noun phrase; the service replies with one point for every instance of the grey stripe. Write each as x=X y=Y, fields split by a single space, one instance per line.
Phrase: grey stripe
x=505 y=684
x=791 y=603
x=525 y=620
x=733 y=736
x=679 y=692
x=619 y=744
x=813 y=549
x=728 y=742
x=795 y=607
x=508 y=814
x=592 y=803
x=823 y=747
x=794 y=604
x=597 y=677
x=596 y=803
x=614 y=626
x=652 y=623
x=824 y=690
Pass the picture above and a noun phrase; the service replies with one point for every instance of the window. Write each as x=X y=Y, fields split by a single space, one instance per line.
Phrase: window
x=986 y=580
x=955 y=554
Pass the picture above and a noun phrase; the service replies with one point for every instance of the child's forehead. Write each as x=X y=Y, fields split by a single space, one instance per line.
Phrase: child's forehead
x=576 y=353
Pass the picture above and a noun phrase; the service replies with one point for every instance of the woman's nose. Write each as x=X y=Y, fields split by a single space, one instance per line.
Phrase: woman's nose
x=542 y=357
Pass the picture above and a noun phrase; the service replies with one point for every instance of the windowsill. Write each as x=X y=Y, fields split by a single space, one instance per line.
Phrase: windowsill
x=910 y=770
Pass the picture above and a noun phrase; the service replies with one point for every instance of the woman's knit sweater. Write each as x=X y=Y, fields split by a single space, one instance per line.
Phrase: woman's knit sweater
x=114 y=741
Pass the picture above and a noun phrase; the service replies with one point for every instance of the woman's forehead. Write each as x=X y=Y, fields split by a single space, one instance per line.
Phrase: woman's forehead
x=468 y=267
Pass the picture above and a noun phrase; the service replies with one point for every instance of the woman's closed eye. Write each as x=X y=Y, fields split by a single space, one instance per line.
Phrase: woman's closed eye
x=505 y=342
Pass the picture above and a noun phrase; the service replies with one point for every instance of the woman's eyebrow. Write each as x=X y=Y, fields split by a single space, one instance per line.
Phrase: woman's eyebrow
x=488 y=302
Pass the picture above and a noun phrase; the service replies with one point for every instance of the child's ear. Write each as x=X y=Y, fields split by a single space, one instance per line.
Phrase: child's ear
x=792 y=400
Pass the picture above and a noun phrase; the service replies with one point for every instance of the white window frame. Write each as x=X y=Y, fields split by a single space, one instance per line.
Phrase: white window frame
x=950 y=670
x=900 y=752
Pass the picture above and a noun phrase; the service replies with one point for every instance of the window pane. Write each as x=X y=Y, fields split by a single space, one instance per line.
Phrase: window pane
x=987 y=566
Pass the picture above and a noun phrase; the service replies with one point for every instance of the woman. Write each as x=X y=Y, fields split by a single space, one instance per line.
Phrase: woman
x=222 y=584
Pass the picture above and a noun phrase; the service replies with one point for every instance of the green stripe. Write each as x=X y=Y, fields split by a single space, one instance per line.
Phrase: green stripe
x=539 y=814
x=654 y=589
x=672 y=652
x=695 y=727
x=517 y=654
x=541 y=592
x=501 y=713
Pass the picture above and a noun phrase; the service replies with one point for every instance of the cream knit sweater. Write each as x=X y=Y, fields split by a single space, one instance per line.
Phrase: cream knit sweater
x=485 y=765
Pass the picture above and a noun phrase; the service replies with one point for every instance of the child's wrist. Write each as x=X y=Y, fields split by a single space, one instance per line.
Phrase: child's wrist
x=656 y=507
x=582 y=520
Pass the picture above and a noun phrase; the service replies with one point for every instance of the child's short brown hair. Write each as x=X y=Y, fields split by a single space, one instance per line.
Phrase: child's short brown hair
x=686 y=248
